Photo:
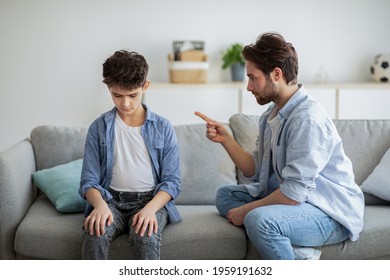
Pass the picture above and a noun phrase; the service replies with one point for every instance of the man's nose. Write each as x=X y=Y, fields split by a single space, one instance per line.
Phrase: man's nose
x=249 y=87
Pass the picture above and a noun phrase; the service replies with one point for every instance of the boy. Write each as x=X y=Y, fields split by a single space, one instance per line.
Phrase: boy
x=130 y=176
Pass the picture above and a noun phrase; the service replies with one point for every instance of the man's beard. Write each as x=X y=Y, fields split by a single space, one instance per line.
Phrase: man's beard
x=268 y=94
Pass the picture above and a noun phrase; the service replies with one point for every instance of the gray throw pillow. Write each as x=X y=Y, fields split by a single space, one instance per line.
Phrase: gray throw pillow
x=378 y=182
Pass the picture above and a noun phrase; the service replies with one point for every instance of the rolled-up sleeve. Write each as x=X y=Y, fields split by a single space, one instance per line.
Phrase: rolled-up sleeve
x=170 y=181
x=308 y=149
x=91 y=169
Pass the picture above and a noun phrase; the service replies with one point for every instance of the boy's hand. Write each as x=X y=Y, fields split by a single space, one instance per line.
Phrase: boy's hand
x=98 y=219
x=215 y=131
x=146 y=218
x=143 y=220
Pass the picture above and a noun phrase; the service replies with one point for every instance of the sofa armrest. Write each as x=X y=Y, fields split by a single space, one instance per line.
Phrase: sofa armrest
x=16 y=192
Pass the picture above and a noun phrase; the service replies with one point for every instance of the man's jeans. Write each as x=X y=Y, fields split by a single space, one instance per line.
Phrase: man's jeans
x=124 y=206
x=274 y=229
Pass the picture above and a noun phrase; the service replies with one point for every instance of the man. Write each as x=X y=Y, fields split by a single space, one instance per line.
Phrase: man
x=303 y=192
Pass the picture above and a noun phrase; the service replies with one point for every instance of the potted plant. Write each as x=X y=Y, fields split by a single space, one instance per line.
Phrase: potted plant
x=233 y=58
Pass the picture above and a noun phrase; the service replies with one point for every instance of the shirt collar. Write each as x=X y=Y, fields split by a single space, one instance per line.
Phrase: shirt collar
x=293 y=102
x=109 y=117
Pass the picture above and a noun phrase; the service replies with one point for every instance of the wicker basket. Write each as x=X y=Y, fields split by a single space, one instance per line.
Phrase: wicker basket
x=188 y=71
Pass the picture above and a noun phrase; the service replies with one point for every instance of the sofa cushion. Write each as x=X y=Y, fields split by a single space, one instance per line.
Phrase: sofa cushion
x=203 y=234
x=57 y=145
x=46 y=233
x=61 y=185
x=374 y=240
x=205 y=166
x=378 y=182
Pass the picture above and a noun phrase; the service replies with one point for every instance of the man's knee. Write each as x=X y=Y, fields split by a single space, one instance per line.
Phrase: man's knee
x=221 y=198
x=257 y=219
x=222 y=194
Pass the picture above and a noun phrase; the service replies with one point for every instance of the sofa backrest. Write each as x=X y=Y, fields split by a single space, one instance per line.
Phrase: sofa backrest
x=364 y=141
x=57 y=145
x=205 y=166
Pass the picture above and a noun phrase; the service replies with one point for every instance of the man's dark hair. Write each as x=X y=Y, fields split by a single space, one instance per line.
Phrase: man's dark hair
x=125 y=69
x=270 y=51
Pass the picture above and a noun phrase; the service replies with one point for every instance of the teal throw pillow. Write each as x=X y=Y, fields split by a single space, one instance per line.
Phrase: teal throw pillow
x=61 y=185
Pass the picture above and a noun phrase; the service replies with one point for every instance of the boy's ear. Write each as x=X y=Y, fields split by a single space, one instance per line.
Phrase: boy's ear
x=146 y=85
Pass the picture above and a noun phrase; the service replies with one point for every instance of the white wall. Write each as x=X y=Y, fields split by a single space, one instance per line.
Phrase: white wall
x=51 y=51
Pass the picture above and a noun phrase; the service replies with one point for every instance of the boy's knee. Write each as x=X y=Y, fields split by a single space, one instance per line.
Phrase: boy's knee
x=154 y=239
x=146 y=247
x=93 y=242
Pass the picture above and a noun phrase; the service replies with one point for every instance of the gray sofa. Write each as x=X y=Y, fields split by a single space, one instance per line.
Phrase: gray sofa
x=32 y=228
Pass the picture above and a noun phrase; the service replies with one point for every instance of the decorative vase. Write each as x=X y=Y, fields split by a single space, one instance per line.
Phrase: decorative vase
x=238 y=71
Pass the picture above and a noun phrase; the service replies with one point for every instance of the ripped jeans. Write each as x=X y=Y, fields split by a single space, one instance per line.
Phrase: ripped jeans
x=124 y=206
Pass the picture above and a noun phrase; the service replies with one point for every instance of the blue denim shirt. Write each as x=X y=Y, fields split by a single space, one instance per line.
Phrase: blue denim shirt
x=311 y=165
x=160 y=140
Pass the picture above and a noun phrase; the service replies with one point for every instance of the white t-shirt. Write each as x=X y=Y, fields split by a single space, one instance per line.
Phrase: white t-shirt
x=275 y=126
x=132 y=170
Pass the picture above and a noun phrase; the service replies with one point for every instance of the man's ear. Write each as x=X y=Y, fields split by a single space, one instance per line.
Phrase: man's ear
x=277 y=74
x=146 y=85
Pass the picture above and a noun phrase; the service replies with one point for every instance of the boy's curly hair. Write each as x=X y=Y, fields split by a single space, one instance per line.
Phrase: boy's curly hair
x=125 y=69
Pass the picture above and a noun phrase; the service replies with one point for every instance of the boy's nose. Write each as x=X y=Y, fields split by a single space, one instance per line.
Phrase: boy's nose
x=126 y=102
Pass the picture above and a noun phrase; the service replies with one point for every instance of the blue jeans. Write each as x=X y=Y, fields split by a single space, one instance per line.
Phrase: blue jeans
x=275 y=229
x=124 y=205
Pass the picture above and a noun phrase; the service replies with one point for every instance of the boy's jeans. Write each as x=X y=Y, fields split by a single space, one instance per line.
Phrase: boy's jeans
x=274 y=229
x=124 y=206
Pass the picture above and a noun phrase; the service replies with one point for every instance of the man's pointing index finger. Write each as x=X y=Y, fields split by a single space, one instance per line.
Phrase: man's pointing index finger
x=203 y=116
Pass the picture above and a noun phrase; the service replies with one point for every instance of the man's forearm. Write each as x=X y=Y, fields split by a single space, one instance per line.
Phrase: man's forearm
x=241 y=158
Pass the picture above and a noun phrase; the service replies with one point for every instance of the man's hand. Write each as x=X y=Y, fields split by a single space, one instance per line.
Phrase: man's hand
x=237 y=215
x=215 y=131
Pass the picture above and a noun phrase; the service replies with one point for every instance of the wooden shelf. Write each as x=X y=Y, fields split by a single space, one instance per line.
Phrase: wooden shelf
x=367 y=100
x=239 y=85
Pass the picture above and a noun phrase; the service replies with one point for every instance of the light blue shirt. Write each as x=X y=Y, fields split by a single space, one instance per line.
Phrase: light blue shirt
x=309 y=162
x=160 y=140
